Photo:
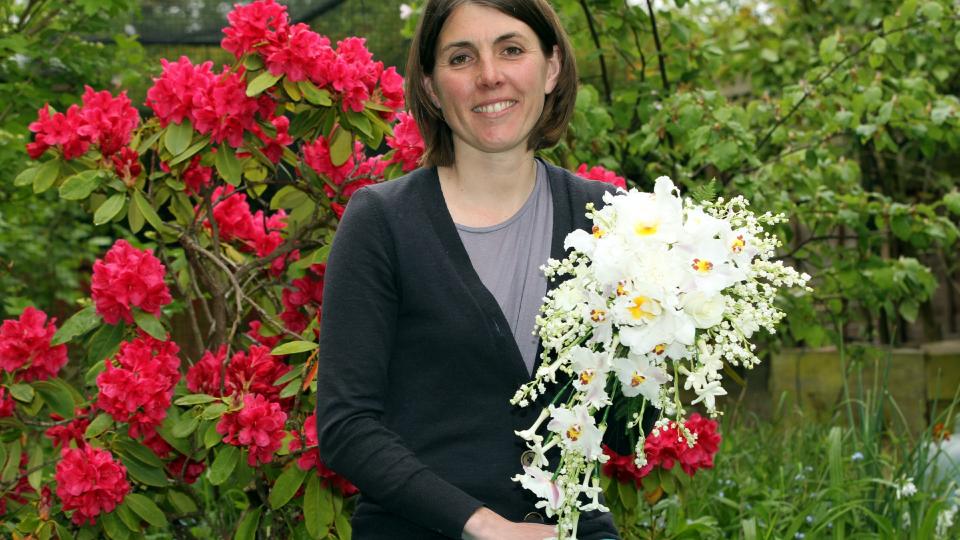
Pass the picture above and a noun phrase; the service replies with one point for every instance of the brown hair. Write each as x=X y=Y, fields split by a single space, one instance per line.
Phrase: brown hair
x=558 y=105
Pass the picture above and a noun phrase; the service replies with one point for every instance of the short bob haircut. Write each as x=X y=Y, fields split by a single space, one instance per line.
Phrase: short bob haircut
x=558 y=105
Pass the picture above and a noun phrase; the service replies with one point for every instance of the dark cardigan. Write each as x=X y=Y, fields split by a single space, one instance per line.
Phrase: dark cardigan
x=418 y=364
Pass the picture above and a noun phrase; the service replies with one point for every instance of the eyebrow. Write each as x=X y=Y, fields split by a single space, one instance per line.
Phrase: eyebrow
x=458 y=44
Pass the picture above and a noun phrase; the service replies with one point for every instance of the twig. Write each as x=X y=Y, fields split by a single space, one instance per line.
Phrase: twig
x=607 y=95
x=656 y=41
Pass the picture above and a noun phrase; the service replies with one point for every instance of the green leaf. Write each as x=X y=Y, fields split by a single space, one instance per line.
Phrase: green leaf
x=114 y=527
x=287 y=197
x=21 y=392
x=35 y=478
x=80 y=185
x=344 y=531
x=341 y=147
x=148 y=143
x=956 y=40
x=46 y=175
x=177 y=137
x=214 y=411
x=27 y=175
x=315 y=95
x=292 y=89
x=195 y=399
x=952 y=202
x=140 y=452
x=78 y=324
x=128 y=518
x=104 y=343
x=223 y=465
x=211 y=437
x=879 y=46
x=189 y=152
x=253 y=62
x=56 y=397
x=317 y=508
x=247 y=528
x=291 y=389
x=628 y=495
x=150 y=324
x=101 y=423
x=149 y=213
x=135 y=219
x=294 y=373
x=909 y=310
x=143 y=473
x=361 y=122
x=186 y=425
x=293 y=347
x=144 y=507
x=228 y=166
x=286 y=486
x=828 y=47
x=10 y=470
x=932 y=11
x=261 y=82
x=109 y=209
x=181 y=502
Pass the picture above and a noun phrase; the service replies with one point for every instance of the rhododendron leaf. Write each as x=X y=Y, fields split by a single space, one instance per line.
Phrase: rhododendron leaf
x=181 y=209
x=46 y=175
x=359 y=121
x=143 y=473
x=148 y=143
x=150 y=324
x=21 y=392
x=223 y=465
x=247 y=528
x=135 y=218
x=80 y=185
x=214 y=411
x=315 y=95
x=291 y=389
x=78 y=324
x=26 y=176
x=35 y=478
x=12 y=467
x=128 y=517
x=56 y=397
x=317 y=508
x=261 y=82
x=151 y=216
x=627 y=493
x=294 y=373
x=286 y=486
x=668 y=482
x=293 y=347
x=138 y=451
x=177 y=137
x=182 y=445
x=292 y=90
x=316 y=256
x=195 y=399
x=228 y=166
x=181 y=502
x=344 y=530
x=104 y=342
x=186 y=425
x=189 y=152
x=114 y=528
x=341 y=147
x=109 y=209
x=373 y=105
x=211 y=437
x=253 y=62
x=101 y=423
x=287 y=197
x=144 y=507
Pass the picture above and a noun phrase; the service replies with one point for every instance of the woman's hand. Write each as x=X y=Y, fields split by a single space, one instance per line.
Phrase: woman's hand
x=485 y=524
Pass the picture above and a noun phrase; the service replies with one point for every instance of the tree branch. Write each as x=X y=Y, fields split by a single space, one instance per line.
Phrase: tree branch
x=656 y=41
x=607 y=94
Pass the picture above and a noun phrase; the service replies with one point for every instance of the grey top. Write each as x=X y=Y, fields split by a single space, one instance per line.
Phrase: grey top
x=507 y=258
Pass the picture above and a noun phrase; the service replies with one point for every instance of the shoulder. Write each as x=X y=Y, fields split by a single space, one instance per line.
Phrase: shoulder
x=400 y=191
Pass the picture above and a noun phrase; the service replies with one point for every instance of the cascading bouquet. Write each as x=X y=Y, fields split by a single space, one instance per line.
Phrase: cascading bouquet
x=662 y=290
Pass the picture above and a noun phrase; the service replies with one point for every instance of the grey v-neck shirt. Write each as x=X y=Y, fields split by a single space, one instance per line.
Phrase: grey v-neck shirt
x=508 y=256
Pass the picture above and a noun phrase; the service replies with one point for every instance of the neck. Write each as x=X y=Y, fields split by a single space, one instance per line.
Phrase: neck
x=482 y=182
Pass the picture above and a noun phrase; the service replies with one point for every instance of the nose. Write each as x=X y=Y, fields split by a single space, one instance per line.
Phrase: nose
x=489 y=74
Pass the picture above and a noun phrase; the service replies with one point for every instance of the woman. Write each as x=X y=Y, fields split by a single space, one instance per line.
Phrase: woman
x=433 y=284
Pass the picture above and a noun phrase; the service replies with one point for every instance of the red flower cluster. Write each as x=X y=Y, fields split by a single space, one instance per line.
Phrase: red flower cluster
x=126 y=164
x=407 y=143
x=602 y=175
x=128 y=277
x=255 y=232
x=140 y=389
x=254 y=334
x=310 y=458
x=248 y=372
x=258 y=425
x=302 y=301
x=72 y=432
x=102 y=120
x=665 y=448
x=89 y=482
x=358 y=171
x=300 y=54
x=25 y=346
x=189 y=469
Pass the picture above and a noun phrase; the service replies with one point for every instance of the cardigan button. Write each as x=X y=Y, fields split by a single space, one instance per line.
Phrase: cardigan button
x=526 y=458
x=533 y=517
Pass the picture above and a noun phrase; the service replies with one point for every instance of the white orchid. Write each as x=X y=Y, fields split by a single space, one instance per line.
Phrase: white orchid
x=577 y=429
x=639 y=376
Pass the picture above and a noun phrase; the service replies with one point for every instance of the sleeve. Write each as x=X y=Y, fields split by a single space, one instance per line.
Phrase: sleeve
x=597 y=526
x=358 y=324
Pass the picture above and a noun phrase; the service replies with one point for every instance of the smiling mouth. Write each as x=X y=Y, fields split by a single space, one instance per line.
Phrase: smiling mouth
x=495 y=107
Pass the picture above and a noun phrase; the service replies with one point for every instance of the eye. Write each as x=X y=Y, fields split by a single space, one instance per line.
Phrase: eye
x=513 y=50
x=458 y=59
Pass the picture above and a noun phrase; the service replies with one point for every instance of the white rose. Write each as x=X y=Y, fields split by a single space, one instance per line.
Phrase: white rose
x=705 y=309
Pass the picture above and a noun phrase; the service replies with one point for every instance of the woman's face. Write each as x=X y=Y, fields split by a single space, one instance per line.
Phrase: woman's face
x=490 y=79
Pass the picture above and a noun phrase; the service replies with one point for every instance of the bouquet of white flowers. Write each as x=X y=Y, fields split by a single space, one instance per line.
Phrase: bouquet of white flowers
x=663 y=290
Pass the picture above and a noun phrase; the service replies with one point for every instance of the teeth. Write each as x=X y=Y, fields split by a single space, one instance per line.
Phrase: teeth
x=494 y=107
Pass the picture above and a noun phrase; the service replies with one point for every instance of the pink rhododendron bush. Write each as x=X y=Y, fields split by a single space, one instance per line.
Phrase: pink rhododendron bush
x=177 y=399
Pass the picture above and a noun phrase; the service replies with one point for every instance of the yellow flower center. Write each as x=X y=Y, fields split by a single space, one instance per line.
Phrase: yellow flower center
x=573 y=432
x=738 y=244
x=659 y=349
x=598 y=232
x=637 y=379
x=646 y=228
x=637 y=311
x=586 y=376
x=702 y=266
x=621 y=291
x=598 y=315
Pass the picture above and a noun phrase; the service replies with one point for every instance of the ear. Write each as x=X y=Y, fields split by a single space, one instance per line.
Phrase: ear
x=427 y=83
x=554 y=61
